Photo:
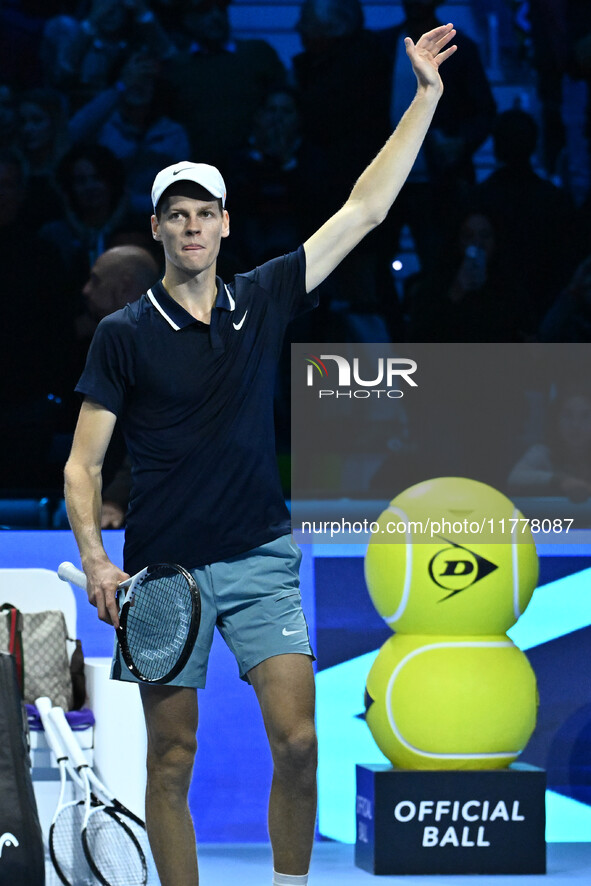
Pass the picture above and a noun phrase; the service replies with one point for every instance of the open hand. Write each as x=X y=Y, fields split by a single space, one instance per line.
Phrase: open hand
x=429 y=53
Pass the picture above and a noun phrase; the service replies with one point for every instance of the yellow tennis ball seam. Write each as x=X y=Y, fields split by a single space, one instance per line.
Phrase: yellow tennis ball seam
x=390 y=620
x=497 y=755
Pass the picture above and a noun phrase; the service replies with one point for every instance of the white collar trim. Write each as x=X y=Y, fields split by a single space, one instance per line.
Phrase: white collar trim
x=169 y=320
x=161 y=310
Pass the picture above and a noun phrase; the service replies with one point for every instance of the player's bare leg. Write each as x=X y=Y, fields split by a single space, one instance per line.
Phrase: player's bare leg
x=284 y=685
x=171 y=722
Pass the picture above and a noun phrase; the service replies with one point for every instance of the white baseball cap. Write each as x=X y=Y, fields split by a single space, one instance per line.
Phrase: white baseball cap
x=202 y=174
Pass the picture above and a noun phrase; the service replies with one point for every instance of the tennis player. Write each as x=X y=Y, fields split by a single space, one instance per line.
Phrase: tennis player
x=189 y=371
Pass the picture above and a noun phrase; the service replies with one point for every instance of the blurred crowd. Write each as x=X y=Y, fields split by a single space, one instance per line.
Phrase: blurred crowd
x=97 y=95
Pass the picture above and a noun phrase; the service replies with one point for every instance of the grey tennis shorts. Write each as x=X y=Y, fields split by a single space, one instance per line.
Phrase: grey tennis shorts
x=254 y=599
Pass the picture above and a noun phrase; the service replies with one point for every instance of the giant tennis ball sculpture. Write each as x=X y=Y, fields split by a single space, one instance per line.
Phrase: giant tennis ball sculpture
x=461 y=560
x=451 y=702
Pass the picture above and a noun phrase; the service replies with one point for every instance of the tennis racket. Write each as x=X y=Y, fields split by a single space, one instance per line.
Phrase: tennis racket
x=114 y=840
x=160 y=611
x=65 y=846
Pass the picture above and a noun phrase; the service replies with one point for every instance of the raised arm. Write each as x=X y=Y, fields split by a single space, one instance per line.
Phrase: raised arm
x=379 y=185
x=83 y=503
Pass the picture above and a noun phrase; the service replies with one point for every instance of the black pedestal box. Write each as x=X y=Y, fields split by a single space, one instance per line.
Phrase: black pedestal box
x=460 y=822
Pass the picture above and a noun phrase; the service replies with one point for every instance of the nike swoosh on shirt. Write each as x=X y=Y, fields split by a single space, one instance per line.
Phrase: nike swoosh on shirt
x=287 y=633
x=239 y=325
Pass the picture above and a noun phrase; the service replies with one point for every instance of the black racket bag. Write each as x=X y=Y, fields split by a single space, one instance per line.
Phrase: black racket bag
x=21 y=842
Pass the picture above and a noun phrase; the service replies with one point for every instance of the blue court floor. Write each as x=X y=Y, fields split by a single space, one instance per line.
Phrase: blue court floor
x=227 y=864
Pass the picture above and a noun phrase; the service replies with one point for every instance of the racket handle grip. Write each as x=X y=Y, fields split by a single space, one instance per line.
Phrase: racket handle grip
x=44 y=706
x=68 y=572
x=58 y=719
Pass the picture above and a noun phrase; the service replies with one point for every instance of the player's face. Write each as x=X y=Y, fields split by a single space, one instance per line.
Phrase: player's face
x=191 y=232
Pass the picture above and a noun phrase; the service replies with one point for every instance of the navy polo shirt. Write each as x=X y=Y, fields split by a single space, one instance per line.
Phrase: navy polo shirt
x=195 y=402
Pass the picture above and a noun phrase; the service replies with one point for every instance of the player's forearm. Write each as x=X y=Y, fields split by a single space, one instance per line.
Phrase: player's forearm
x=82 y=491
x=378 y=186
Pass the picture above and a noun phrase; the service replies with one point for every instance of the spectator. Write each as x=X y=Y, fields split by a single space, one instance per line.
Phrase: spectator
x=561 y=40
x=270 y=186
x=218 y=82
x=341 y=77
x=268 y=182
x=533 y=217
x=119 y=276
x=550 y=58
x=443 y=174
x=84 y=57
x=43 y=138
x=92 y=181
x=470 y=296
x=562 y=464
x=131 y=120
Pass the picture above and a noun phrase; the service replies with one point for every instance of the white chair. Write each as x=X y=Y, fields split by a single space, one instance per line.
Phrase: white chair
x=33 y=590
x=116 y=707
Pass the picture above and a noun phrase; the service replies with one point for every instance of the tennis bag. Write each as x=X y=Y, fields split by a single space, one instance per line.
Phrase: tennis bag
x=22 y=860
x=39 y=643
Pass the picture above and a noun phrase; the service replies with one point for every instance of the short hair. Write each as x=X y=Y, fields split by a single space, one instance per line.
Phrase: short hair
x=137 y=262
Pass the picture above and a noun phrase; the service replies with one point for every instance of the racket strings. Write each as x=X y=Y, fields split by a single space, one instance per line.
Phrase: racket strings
x=141 y=835
x=159 y=621
x=117 y=857
x=66 y=850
